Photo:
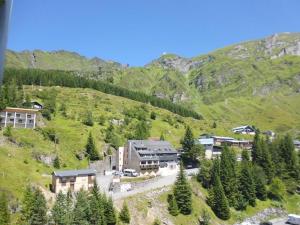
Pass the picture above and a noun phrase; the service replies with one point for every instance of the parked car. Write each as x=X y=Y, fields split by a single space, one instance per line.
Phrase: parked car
x=293 y=219
x=130 y=173
x=119 y=173
x=265 y=223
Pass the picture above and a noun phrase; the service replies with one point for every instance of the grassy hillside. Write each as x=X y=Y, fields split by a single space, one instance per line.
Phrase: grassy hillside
x=18 y=164
x=255 y=82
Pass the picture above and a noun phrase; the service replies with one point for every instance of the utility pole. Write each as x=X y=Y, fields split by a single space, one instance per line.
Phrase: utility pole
x=5 y=11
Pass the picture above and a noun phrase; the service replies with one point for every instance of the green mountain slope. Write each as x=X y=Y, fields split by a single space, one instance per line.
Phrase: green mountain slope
x=258 y=82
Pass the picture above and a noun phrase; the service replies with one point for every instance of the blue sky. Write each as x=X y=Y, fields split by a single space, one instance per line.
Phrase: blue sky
x=138 y=31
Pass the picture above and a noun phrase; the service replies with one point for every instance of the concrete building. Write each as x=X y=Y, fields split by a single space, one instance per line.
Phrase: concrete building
x=18 y=117
x=149 y=157
x=73 y=180
x=120 y=159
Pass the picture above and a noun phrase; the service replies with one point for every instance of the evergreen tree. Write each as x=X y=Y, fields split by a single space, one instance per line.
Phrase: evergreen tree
x=218 y=201
x=27 y=103
x=204 y=175
x=173 y=208
x=288 y=154
x=215 y=171
x=188 y=140
x=39 y=209
x=228 y=175
x=277 y=189
x=183 y=193
x=214 y=125
x=196 y=152
x=91 y=148
x=110 y=212
x=265 y=161
x=63 y=109
x=102 y=120
x=59 y=211
x=27 y=204
x=153 y=115
x=56 y=162
x=88 y=119
x=96 y=207
x=260 y=182
x=256 y=149
x=246 y=183
x=162 y=137
x=4 y=210
x=124 y=214
x=142 y=130
x=81 y=211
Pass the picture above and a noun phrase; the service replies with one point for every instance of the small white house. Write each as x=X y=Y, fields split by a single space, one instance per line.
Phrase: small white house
x=244 y=130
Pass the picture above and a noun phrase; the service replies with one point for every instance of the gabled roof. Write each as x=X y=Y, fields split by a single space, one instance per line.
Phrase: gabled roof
x=242 y=127
x=20 y=110
x=74 y=173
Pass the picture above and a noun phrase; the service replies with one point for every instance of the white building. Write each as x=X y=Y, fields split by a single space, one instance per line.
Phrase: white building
x=18 y=117
x=120 y=159
x=73 y=180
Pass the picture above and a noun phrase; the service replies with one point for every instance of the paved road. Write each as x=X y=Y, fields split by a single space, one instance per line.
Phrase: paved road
x=157 y=183
x=279 y=221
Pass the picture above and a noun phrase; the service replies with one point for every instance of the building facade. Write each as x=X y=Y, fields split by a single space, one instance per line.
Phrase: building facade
x=18 y=117
x=148 y=157
x=244 y=130
x=73 y=180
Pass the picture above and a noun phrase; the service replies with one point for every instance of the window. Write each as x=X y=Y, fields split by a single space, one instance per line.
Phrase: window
x=18 y=115
x=8 y=114
x=11 y=120
x=30 y=121
x=20 y=121
x=29 y=116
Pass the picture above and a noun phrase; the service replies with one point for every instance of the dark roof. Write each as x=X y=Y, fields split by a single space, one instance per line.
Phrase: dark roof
x=148 y=147
x=74 y=173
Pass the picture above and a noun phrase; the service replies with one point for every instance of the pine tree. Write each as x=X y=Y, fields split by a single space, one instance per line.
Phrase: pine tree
x=260 y=182
x=162 y=137
x=142 y=130
x=265 y=161
x=59 y=210
x=183 y=193
x=246 y=183
x=96 y=207
x=188 y=140
x=91 y=148
x=204 y=175
x=89 y=119
x=4 y=210
x=256 y=149
x=27 y=204
x=27 y=103
x=277 y=189
x=124 y=214
x=81 y=211
x=228 y=175
x=39 y=209
x=288 y=154
x=173 y=208
x=110 y=212
x=56 y=163
x=215 y=171
x=219 y=203
x=153 y=115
